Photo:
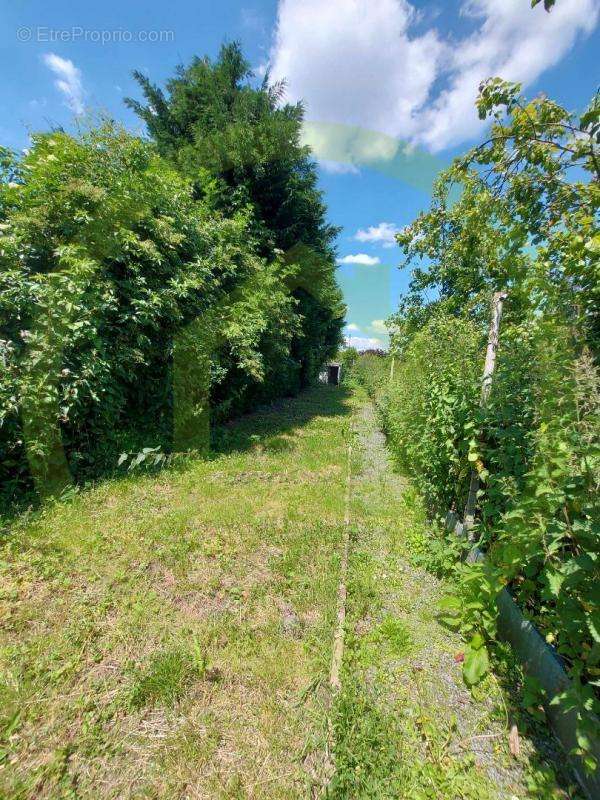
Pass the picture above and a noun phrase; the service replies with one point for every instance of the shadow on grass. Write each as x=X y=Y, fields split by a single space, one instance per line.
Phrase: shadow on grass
x=269 y=425
x=266 y=426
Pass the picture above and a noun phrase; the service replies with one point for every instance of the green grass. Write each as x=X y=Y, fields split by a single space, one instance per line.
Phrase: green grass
x=168 y=634
x=405 y=725
x=368 y=756
x=166 y=678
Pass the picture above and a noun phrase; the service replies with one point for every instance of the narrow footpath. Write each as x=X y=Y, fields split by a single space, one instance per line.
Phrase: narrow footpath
x=405 y=724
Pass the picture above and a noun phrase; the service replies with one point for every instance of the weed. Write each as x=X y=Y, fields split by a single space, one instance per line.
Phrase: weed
x=393 y=635
x=164 y=681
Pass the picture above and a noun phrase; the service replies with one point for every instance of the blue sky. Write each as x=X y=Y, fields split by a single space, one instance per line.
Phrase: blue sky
x=388 y=86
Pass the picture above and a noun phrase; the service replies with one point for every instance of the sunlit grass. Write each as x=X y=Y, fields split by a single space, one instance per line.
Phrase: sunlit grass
x=169 y=635
x=170 y=632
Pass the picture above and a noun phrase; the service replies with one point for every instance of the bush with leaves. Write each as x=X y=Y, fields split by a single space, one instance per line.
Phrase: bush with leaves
x=430 y=407
x=371 y=371
x=241 y=147
x=105 y=257
x=519 y=214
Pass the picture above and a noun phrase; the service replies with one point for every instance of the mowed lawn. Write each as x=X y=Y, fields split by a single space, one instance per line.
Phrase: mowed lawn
x=169 y=635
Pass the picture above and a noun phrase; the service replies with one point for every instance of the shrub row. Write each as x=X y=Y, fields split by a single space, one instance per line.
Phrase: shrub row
x=140 y=295
x=524 y=225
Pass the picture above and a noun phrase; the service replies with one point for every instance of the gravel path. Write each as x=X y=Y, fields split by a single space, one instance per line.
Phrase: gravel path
x=403 y=667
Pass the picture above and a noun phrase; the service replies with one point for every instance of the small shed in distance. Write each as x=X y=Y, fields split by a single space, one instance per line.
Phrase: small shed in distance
x=331 y=373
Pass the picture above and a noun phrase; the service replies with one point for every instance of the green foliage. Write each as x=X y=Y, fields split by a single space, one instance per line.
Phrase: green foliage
x=213 y=120
x=519 y=213
x=104 y=255
x=430 y=407
x=348 y=358
x=241 y=148
x=106 y=260
x=371 y=371
x=476 y=663
x=147 y=288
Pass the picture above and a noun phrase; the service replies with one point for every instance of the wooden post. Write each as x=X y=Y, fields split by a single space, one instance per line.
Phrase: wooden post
x=392 y=368
x=486 y=385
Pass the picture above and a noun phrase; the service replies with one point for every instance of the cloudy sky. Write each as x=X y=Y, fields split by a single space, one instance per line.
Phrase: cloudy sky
x=389 y=87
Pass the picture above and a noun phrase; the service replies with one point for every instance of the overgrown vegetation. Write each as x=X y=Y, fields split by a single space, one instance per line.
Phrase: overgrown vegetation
x=517 y=214
x=141 y=285
x=405 y=725
x=240 y=146
x=150 y=286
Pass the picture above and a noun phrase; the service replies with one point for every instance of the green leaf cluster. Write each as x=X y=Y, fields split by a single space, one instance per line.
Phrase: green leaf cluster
x=150 y=286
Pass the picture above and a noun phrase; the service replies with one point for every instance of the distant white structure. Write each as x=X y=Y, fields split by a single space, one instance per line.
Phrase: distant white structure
x=331 y=373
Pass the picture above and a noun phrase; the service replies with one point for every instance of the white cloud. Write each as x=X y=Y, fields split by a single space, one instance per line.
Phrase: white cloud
x=512 y=41
x=353 y=61
x=352 y=327
x=359 y=258
x=364 y=63
x=385 y=233
x=364 y=342
x=68 y=80
x=338 y=167
x=379 y=326
x=261 y=70
x=252 y=20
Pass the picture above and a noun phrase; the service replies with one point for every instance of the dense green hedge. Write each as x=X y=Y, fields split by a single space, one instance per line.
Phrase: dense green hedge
x=145 y=288
x=105 y=257
x=429 y=408
x=537 y=453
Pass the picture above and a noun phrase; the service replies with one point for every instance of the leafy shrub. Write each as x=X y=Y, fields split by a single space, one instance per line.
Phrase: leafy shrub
x=371 y=371
x=240 y=145
x=522 y=224
x=430 y=408
x=105 y=258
